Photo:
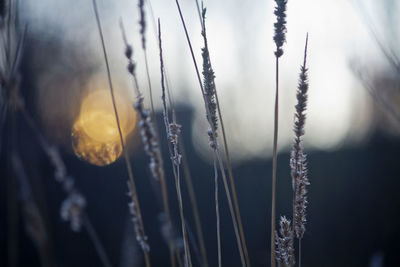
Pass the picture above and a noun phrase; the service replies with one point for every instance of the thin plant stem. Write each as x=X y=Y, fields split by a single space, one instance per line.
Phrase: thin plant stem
x=187 y=175
x=8 y=49
x=232 y=181
x=164 y=191
x=126 y=154
x=169 y=221
x=146 y=63
x=274 y=165
x=193 y=201
x=12 y=220
x=294 y=211
x=3 y=116
x=35 y=226
x=227 y=155
x=235 y=226
x=12 y=207
x=188 y=259
x=199 y=12
x=161 y=179
x=299 y=252
x=217 y=214
x=86 y=221
x=174 y=155
x=188 y=180
x=213 y=133
x=96 y=241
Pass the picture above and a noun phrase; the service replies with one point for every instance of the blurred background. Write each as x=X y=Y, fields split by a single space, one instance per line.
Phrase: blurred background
x=352 y=128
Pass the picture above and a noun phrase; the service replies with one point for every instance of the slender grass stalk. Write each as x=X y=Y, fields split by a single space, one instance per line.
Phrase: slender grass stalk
x=96 y=241
x=73 y=207
x=188 y=258
x=199 y=12
x=12 y=216
x=9 y=17
x=274 y=163
x=226 y=149
x=133 y=193
x=280 y=39
x=171 y=246
x=217 y=213
x=173 y=130
x=12 y=222
x=3 y=116
x=142 y=23
x=146 y=63
x=235 y=225
x=188 y=178
x=212 y=135
x=6 y=75
x=143 y=26
x=299 y=252
x=193 y=201
x=34 y=223
x=298 y=159
x=79 y=217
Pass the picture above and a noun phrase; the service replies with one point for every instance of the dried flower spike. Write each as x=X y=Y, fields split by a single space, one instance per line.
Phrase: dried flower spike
x=298 y=159
x=72 y=209
x=280 y=26
x=209 y=90
x=173 y=129
x=142 y=23
x=149 y=139
x=284 y=244
x=136 y=219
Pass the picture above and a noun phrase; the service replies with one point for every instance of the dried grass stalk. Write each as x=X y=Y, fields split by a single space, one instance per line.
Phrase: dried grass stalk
x=298 y=159
x=132 y=187
x=284 y=244
x=173 y=130
x=279 y=39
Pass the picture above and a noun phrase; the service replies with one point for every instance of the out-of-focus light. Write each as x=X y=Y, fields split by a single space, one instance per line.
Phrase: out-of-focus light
x=95 y=136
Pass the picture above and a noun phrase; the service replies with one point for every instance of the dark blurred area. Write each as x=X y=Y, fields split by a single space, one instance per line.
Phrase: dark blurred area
x=353 y=212
x=353 y=215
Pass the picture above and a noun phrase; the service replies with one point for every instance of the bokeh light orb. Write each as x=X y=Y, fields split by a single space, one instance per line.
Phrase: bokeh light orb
x=95 y=136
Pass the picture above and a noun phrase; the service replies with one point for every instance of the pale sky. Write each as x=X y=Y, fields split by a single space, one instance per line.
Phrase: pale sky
x=241 y=47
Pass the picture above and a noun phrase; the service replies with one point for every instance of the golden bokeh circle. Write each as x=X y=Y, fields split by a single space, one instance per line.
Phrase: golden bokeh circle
x=95 y=136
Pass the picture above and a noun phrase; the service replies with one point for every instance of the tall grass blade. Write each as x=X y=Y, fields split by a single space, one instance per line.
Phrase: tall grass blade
x=135 y=201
